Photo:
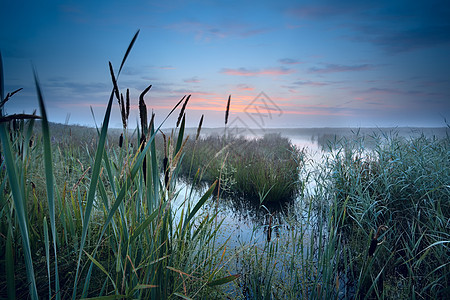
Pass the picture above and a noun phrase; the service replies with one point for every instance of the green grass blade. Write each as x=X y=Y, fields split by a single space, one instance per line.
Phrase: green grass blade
x=101 y=268
x=48 y=177
x=199 y=205
x=47 y=257
x=134 y=170
x=143 y=226
x=223 y=280
x=155 y=172
x=9 y=255
x=93 y=186
x=180 y=136
x=18 y=203
x=128 y=50
x=182 y=296
x=96 y=171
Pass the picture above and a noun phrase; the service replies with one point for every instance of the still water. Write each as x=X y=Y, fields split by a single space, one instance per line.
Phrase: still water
x=247 y=222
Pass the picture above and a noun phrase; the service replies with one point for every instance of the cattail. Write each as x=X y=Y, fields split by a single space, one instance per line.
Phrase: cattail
x=269 y=229
x=199 y=128
x=30 y=144
x=374 y=243
x=122 y=111
x=128 y=104
x=33 y=187
x=143 y=110
x=228 y=110
x=144 y=163
x=182 y=110
x=121 y=140
x=165 y=163
x=152 y=122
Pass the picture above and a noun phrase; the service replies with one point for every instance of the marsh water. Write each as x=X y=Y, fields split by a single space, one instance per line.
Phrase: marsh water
x=246 y=221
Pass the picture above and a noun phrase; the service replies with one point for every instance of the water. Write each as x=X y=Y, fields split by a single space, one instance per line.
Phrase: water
x=247 y=223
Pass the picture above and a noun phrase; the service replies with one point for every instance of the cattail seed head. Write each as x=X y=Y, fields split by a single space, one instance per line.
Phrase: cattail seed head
x=128 y=104
x=182 y=110
x=143 y=110
x=121 y=140
x=199 y=127
x=227 y=112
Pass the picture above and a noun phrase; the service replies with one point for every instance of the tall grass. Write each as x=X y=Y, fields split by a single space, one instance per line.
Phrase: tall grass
x=401 y=184
x=112 y=233
x=266 y=168
x=322 y=249
x=98 y=220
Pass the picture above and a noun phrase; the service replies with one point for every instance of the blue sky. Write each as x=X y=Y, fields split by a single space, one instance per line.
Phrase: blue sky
x=318 y=63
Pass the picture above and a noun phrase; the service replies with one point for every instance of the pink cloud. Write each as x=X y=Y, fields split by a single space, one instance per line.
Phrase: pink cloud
x=244 y=87
x=194 y=79
x=311 y=83
x=269 y=71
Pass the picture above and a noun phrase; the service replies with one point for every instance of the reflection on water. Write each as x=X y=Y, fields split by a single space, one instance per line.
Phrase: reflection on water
x=247 y=220
x=244 y=220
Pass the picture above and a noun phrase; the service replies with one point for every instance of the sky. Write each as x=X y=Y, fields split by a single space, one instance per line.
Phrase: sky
x=325 y=63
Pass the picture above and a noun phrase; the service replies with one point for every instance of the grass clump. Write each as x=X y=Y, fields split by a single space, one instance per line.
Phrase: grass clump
x=265 y=168
x=401 y=185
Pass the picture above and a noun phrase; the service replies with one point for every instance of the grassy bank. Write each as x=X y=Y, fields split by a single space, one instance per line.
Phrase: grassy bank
x=266 y=169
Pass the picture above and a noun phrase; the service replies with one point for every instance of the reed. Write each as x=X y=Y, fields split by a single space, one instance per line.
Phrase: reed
x=111 y=233
x=400 y=185
x=266 y=166
x=84 y=218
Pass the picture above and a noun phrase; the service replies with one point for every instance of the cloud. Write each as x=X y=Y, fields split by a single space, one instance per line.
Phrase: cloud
x=207 y=32
x=311 y=83
x=410 y=39
x=257 y=72
x=244 y=87
x=165 y=68
x=62 y=83
x=389 y=25
x=388 y=91
x=289 y=61
x=334 y=68
x=194 y=79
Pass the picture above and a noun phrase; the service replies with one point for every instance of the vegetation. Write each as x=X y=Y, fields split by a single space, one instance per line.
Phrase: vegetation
x=96 y=217
x=103 y=228
x=402 y=185
x=265 y=169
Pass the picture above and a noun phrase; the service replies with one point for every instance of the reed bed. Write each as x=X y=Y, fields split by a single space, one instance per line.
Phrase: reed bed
x=95 y=217
x=401 y=185
x=266 y=169
x=375 y=226
x=99 y=222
